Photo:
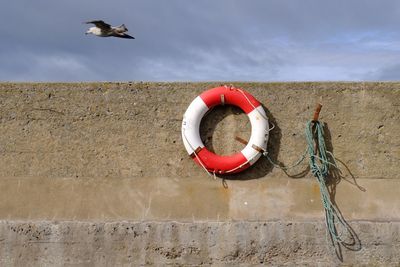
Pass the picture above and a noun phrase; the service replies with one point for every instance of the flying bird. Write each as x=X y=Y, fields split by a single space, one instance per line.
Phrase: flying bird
x=103 y=29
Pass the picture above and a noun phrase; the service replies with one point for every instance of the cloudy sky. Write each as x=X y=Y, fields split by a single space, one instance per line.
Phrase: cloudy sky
x=203 y=40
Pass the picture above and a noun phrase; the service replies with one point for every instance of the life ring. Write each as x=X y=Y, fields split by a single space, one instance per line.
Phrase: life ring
x=235 y=163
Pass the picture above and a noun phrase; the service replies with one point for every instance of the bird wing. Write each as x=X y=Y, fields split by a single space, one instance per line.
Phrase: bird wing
x=123 y=35
x=100 y=24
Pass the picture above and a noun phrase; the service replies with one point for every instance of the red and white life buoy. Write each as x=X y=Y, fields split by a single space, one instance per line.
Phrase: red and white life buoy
x=191 y=130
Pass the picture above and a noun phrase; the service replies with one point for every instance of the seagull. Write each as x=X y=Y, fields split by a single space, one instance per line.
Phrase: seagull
x=103 y=29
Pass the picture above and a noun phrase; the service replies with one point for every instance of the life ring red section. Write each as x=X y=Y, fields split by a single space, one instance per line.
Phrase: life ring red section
x=221 y=164
x=232 y=96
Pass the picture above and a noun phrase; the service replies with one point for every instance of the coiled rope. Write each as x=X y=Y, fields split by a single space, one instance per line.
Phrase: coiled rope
x=320 y=161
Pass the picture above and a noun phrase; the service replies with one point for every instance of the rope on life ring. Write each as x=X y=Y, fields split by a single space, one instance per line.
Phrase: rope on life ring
x=211 y=162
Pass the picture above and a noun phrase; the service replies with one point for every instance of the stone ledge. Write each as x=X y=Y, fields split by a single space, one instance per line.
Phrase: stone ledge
x=191 y=199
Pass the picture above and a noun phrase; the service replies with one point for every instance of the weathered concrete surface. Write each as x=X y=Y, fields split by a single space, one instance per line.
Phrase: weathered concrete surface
x=108 y=152
x=196 y=243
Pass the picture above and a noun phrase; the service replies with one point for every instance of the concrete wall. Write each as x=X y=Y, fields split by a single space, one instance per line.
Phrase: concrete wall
x=96 y=174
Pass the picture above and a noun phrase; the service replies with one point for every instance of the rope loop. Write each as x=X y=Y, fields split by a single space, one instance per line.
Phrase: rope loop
x=320 y=159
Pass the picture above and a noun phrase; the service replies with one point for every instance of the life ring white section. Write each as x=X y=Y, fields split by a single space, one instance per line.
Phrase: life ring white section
x=191 y=125
x=259 y=134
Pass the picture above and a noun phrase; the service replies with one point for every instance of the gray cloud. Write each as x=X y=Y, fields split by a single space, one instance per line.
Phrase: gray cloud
x=258 y=40
x=388 y=73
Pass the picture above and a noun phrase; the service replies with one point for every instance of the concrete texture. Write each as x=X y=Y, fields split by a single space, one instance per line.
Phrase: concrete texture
x=77 y=155
x=190 y=244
